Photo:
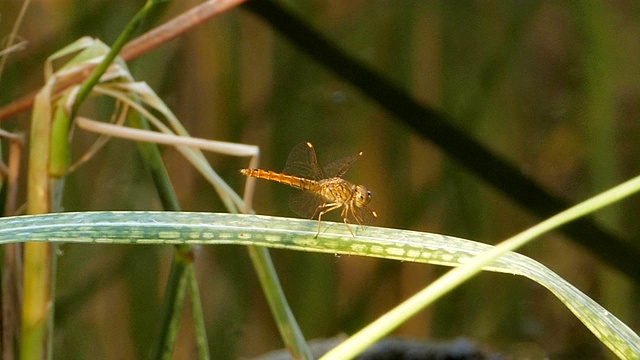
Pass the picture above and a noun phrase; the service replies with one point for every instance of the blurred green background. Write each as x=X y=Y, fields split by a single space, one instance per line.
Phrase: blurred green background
x=552 y=87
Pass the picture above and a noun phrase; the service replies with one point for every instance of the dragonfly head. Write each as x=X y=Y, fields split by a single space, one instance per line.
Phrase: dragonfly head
x=363 y=196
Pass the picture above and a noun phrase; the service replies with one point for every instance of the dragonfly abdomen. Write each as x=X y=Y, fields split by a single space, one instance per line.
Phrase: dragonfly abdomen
x=293 y=181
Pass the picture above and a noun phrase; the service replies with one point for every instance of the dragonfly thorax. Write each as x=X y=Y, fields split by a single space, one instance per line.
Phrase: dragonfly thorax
x=336 y=190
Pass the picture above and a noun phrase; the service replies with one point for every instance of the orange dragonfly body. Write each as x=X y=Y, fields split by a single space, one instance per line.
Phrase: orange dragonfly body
x=322 y=191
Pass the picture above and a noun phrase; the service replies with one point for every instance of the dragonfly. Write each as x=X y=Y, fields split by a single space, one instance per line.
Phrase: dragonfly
x=323 y=189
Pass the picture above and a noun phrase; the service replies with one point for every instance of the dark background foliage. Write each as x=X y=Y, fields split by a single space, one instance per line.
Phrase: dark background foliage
x=476 y=119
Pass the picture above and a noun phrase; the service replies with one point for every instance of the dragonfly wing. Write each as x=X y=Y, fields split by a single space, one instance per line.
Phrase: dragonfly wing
x=303 y=162
x=305 y=203
x=338 y=167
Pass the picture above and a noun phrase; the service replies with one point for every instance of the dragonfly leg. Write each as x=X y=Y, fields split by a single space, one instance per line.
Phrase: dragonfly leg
x=357 y=217
x=346 y=223
x=325 y=208
x=345 y=217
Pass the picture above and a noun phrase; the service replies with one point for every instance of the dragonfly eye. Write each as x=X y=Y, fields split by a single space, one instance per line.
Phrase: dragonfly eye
x=363 y=196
